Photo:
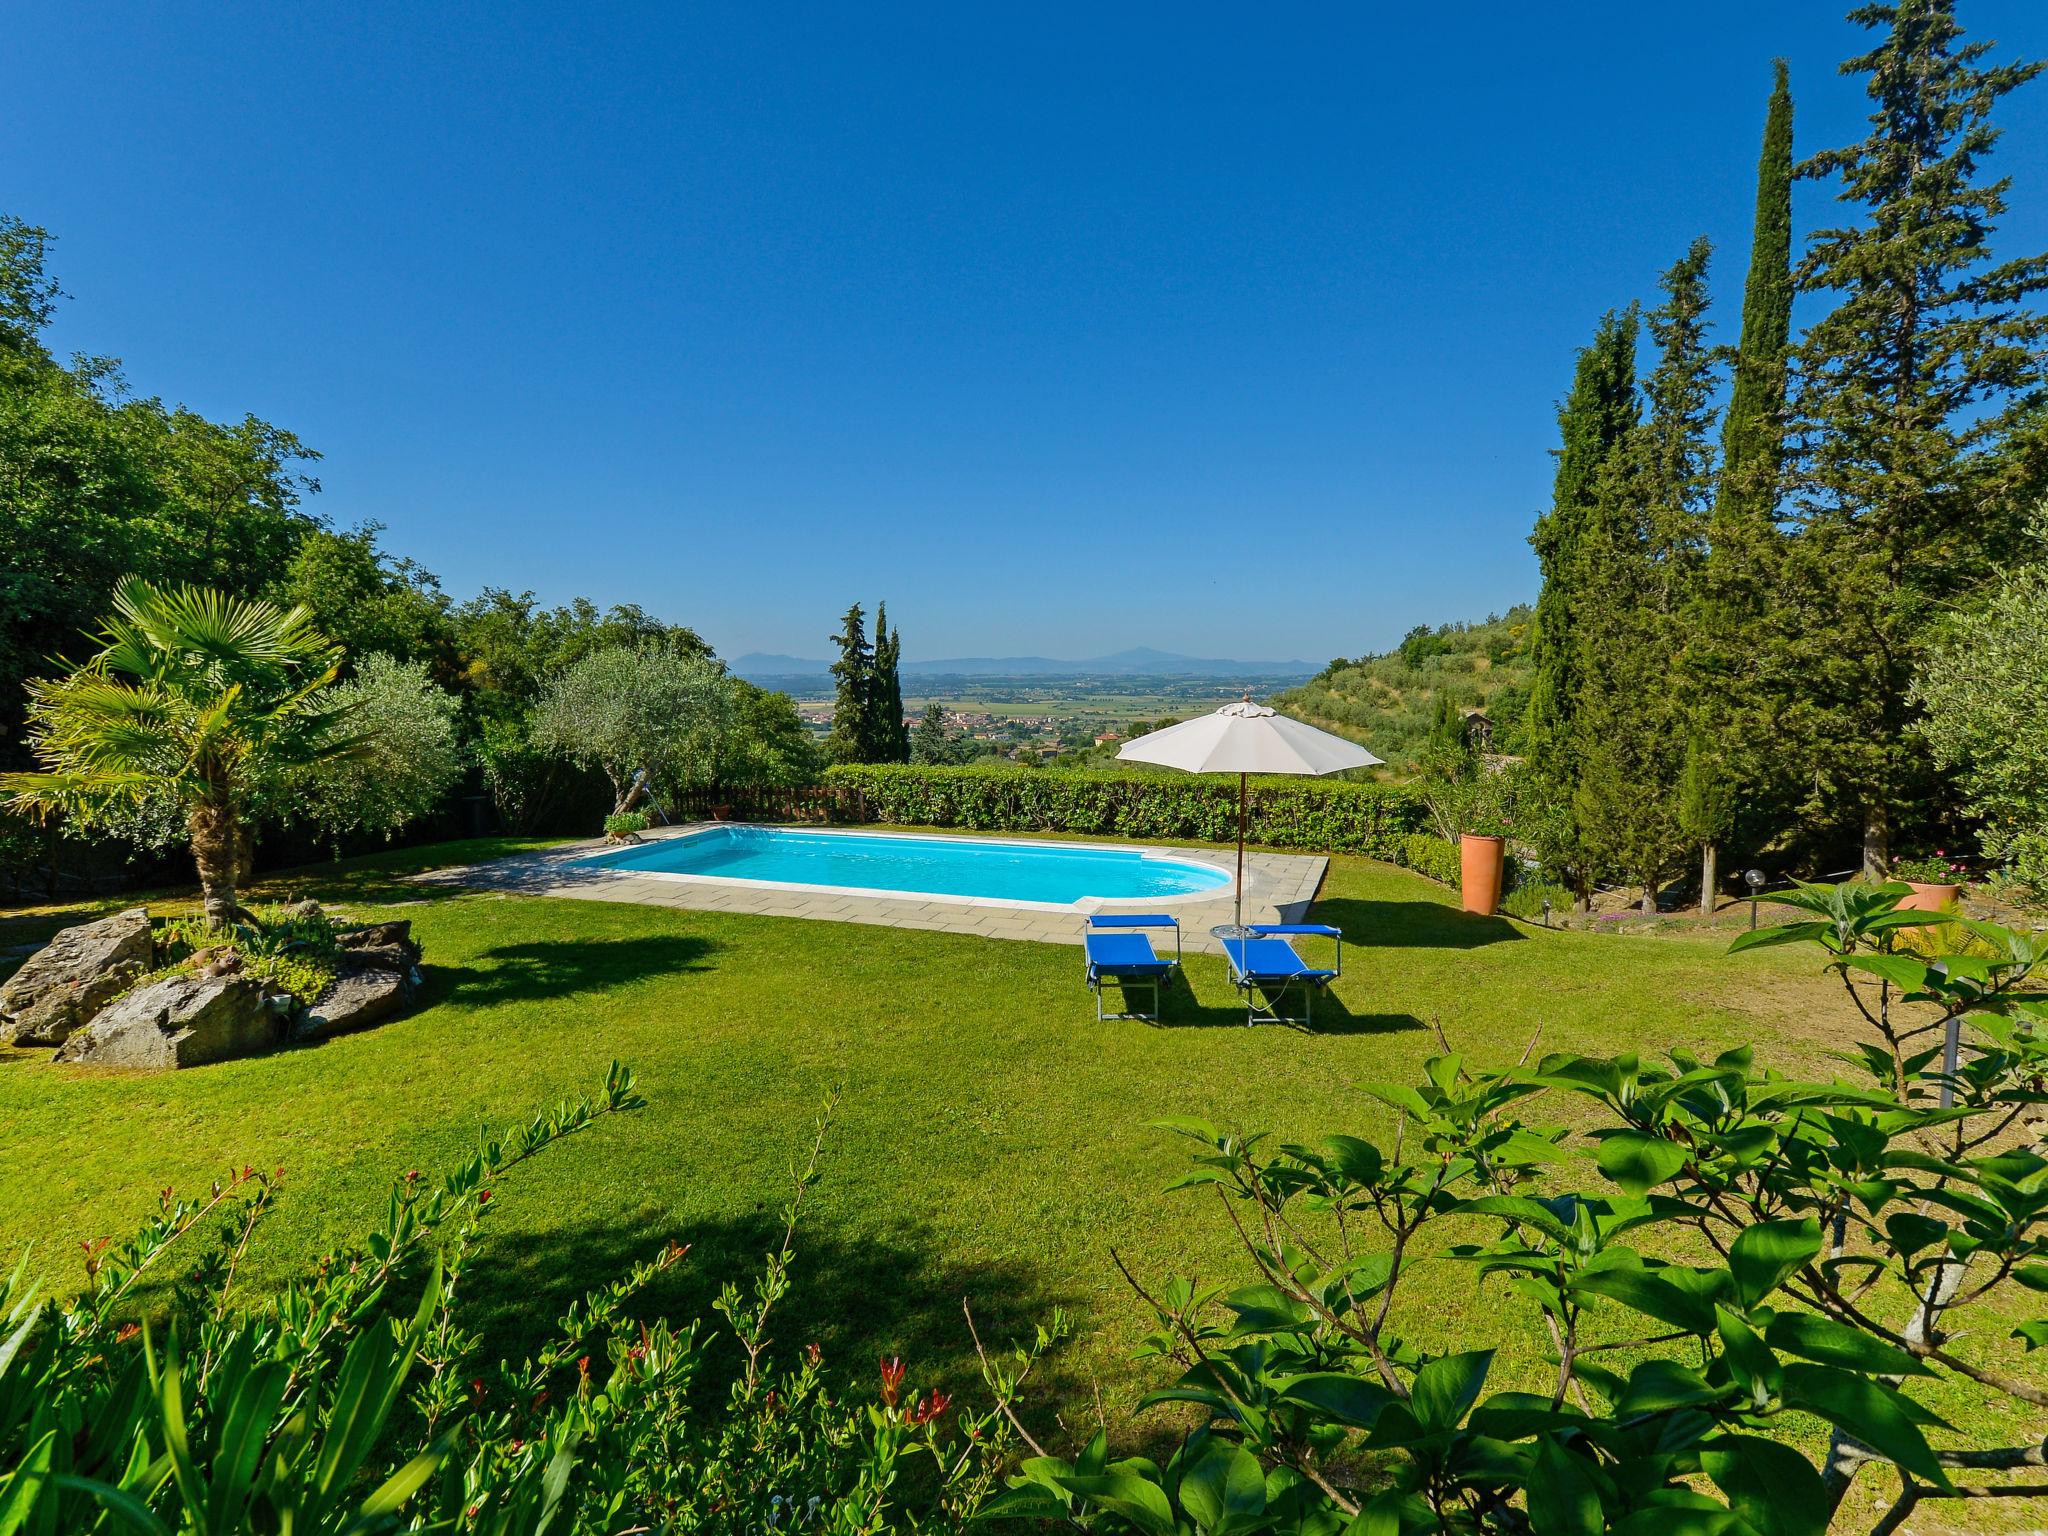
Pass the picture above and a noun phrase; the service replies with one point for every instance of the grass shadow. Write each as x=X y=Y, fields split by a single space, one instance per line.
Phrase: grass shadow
x=1179 y=1008
x=857 y=1296
x=556 y=968
x=1413 y=925
x=384 y=878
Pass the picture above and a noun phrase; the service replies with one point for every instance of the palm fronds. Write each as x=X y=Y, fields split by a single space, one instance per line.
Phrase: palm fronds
x=193 y=693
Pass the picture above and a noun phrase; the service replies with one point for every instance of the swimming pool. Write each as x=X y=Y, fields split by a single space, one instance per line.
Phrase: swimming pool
x=941 y=868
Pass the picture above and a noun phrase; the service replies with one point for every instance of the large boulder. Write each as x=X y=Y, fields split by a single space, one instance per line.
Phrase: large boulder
x=378 y=975
x=356 y=999
x=71 y=978
x=396 y=934
x=183 y=1020
x=392 y=957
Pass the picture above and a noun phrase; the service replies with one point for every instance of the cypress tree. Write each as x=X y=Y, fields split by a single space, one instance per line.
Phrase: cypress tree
x=1447 y=728
x=1595 y=419
x=1705 y=811
x=852 y=708
x=1674 y=445
x=1731 y=671
x=1909 y=394
x=889 y=737
x=1753 y=432
x=1637 y=564
x=931 y=742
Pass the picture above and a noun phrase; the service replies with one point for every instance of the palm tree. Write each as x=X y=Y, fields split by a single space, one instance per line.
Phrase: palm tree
x=198 y=701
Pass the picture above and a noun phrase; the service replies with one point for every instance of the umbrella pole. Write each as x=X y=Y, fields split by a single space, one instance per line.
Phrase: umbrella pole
x=1242 y=781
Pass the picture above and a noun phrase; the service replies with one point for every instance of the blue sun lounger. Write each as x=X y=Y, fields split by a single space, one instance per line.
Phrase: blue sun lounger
x=1120 y=956
x=1265 y=968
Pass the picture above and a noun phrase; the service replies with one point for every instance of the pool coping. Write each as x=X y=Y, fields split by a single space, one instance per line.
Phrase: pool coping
x=1278 y=888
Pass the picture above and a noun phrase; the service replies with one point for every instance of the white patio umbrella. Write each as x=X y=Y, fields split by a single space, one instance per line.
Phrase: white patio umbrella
x=1246 y=738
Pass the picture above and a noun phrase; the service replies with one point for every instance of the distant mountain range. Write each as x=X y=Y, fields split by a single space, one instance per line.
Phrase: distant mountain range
x=1141 y=662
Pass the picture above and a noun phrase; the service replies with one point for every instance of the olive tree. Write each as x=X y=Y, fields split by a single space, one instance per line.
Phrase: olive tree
x=645 y=715
x=408 y=759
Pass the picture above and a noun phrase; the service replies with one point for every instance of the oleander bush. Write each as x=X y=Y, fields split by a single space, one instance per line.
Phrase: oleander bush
x=1285 y=813
x=356 y=1401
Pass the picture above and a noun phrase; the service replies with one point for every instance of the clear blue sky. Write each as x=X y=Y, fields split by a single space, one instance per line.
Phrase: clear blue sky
x=1233 y=330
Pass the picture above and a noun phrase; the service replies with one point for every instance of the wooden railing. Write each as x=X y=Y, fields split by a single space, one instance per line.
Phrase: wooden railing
x=793 y=803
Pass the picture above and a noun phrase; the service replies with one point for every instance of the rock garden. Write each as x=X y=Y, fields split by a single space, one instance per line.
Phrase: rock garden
x=131 y=992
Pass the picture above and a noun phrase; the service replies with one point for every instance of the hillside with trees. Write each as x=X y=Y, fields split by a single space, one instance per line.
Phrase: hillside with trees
x=1392 y=703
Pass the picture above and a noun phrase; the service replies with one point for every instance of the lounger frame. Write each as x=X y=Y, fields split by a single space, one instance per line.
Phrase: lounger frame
x=1265 y=993
x=1126 y=983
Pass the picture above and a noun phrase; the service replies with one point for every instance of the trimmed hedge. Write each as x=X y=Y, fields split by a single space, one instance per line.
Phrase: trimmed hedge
x=1428 y=854
x=1285 y=813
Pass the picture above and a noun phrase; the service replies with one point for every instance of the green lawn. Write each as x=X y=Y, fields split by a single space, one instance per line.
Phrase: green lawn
x=991 y=1142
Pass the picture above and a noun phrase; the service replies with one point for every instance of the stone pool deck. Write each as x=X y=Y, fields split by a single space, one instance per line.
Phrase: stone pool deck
x=1278 y=889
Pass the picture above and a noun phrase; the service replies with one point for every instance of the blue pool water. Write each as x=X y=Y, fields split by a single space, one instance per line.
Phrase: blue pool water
x=940 y=866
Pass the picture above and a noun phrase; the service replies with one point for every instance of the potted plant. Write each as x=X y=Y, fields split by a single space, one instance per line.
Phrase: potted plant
x=625 y=826
x=1484 y=823
x=1934 y=883
x=1482 y=864
x=1471 y=805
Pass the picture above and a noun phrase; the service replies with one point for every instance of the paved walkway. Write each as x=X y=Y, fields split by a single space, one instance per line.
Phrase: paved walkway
x=1278 y=888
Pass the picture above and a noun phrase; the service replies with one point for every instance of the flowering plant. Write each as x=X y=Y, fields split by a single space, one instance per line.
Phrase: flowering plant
x=1935 y=868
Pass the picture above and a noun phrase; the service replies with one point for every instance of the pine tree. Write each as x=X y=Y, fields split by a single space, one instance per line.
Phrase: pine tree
x=852 y=709
x=890 y=736
x=1595 y=419
x=1908 y=393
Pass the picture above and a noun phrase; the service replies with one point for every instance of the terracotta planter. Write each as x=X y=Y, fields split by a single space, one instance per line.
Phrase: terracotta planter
x=1928 y=897
x=1480 y=862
